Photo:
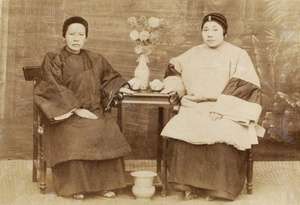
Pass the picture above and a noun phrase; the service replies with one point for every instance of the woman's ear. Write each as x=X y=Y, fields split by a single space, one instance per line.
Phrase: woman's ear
x=225 y=36
x=64 y=40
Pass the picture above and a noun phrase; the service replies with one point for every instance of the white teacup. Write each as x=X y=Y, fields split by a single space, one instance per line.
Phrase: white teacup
x=135 y=84
x=156 y=85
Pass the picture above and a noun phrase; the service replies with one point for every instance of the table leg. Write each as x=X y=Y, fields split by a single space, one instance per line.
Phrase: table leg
x=164 y=169
x=161 y=147
x=120 y=123
x=159 y=140
x=120 y=116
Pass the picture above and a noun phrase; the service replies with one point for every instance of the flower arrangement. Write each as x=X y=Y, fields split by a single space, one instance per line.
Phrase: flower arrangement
x=145 y=32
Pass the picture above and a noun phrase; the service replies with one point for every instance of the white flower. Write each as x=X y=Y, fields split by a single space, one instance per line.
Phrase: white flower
x=134 y=35
x=138 y=49
x=132 y=21
x=144 y=35
x=153 y=22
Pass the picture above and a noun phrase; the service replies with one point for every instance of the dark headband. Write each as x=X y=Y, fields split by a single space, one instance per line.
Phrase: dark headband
x=75 y=19
x=218 y=18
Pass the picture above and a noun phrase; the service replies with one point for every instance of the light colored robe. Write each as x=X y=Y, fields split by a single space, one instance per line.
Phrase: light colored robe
x=221 y=80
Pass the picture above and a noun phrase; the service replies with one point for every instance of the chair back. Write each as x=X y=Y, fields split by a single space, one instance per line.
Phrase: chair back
x=32 y=73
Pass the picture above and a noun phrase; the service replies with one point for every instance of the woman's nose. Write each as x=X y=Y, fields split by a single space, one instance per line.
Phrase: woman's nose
x=76 y=38
x=209 y=34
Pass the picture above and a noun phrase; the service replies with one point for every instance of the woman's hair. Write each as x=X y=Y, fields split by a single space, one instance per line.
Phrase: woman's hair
x=218 y=18
x=75 y=19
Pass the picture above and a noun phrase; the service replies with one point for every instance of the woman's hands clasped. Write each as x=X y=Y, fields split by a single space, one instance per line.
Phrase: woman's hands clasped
x=84 y=113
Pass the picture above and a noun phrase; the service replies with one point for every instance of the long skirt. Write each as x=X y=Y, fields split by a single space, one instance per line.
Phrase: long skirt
x=216 y=170
x=82 y=176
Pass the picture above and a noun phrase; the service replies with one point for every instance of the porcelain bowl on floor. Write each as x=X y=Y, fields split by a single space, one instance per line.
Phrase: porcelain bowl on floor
x=143 y=187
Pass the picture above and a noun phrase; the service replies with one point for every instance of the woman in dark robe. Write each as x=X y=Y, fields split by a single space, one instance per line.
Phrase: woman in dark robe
x=220 y=106
x=83 y=144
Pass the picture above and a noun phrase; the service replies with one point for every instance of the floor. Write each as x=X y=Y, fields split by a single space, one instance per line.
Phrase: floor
x=274 y=183
x=276 y=175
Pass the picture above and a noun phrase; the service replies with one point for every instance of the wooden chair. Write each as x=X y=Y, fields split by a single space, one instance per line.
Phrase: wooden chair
x=33 y=73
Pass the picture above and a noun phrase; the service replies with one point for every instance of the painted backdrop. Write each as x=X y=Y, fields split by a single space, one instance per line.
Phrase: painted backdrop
x=267 y=29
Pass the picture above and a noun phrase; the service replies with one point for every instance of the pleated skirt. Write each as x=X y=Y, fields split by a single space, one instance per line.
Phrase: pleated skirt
x=217 y=170
x=83 y=176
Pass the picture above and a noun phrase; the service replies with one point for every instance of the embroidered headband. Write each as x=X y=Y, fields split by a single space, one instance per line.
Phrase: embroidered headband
x=75 y=19
x=218 y=18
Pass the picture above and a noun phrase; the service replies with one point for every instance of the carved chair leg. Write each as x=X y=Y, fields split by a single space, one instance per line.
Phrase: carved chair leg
x=43 y=172
x=35 y=157
x=249 y=185
x=42 y=165
x=34 y=173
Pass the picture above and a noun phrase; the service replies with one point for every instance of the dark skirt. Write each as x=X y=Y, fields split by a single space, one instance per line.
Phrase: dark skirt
x=81 y=176
x=217 y=170
x=84 y=139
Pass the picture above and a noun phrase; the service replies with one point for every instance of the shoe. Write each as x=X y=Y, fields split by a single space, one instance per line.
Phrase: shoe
x=108 y=194
x=78 y=196
x=209 y=198
x=190 y=195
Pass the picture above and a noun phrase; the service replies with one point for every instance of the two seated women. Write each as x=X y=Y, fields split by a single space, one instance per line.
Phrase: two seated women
x=220 y=106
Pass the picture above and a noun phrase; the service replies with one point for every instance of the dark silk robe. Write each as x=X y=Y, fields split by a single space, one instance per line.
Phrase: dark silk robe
x=84 y=80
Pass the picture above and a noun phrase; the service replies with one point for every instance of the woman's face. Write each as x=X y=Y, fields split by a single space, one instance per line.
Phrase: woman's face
x=212 y=34
x=75 y=37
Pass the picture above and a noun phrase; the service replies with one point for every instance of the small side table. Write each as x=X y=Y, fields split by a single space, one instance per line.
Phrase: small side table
x=162 y=102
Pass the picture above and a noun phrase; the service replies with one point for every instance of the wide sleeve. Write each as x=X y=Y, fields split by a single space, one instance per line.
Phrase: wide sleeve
x=241 y=98
x=173 y=79
x=111 y=82
x=51 y=96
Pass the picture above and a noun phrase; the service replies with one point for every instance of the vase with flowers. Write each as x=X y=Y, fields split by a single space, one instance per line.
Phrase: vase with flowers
x=145 y=33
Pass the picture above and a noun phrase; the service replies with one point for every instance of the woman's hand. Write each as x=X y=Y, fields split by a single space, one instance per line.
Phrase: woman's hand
x=173 y=94
x=214 y=116
x=85 y=114
x=125 y=90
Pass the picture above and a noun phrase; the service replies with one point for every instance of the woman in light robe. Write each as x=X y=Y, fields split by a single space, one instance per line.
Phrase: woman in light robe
x=217 y=121
x=83 y=144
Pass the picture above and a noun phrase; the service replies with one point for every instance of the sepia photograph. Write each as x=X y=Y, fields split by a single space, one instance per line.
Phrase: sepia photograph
x=149 y=102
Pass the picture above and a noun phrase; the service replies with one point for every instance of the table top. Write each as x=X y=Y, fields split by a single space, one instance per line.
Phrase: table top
x=147 y=97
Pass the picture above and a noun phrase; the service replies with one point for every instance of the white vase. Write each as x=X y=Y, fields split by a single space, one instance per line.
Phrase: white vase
x=143 y=187
x=142 y=71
